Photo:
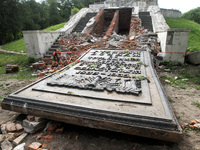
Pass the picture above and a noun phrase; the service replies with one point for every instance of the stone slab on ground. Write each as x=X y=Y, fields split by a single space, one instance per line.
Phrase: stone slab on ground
x=146 y=113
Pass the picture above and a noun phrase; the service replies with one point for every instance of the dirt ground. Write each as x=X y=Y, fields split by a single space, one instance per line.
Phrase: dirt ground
x=81 y=138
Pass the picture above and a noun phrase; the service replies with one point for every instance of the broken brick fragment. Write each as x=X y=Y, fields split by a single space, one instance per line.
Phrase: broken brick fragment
x=48 y=137
x=192 y=122
x=39 y=66
x=34 y=146
x=59 y=130
x=12 y=68
x=10 y=127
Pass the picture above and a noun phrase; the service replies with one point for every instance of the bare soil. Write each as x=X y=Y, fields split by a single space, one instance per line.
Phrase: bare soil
x=81 y=138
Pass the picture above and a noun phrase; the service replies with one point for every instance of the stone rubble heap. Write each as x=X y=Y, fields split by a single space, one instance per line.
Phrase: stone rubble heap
x=74 y=45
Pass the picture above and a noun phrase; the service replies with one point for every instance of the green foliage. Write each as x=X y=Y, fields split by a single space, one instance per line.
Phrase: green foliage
x=193 y=15
x=74 y=10
x=54 y=15
x=55 y=27
x=194 y=36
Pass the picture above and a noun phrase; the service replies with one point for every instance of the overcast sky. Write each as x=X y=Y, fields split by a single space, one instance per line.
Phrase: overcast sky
x=182 y=5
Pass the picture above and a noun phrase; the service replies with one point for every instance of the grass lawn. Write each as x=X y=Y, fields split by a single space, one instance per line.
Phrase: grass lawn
x=16 y=46
x=20 y=60
x=194 y=37
x=19 y=45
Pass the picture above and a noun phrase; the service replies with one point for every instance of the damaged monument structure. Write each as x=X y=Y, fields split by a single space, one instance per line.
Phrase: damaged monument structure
x=113 y=84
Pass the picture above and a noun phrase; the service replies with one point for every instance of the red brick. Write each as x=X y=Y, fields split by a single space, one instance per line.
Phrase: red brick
x=34 y=146
x=60 y=130
x=10 y=127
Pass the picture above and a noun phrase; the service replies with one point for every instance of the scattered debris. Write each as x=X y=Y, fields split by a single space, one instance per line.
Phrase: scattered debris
x=194 y=124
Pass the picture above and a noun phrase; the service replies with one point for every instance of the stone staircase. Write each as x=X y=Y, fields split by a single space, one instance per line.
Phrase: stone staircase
x=82 y=23
x=146 y=20
x=52 y=49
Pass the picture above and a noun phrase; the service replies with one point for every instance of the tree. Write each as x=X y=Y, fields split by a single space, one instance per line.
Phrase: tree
x=54 y=17
x=193 y=15
x=10 y=25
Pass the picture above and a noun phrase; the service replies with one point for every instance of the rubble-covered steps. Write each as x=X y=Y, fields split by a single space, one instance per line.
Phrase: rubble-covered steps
x=146 y=20
x=82 y=23
x=52 y=49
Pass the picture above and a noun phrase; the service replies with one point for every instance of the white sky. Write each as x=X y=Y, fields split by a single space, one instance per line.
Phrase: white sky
x=182 y=5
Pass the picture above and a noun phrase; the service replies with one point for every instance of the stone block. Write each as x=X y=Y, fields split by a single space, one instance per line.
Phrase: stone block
x=20 y=139
x=32 y=126
x=34 y=146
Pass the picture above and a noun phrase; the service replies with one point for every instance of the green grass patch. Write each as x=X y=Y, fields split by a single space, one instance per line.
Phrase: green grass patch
x=55 y=27
x=19 y=45
x=177 y=83
x=194 y=37
x=196 y=104
x=21 y=60
x=183 y=76
x=16 y=46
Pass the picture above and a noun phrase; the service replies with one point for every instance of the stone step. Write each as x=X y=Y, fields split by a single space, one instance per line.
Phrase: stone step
x=82 y=23
x=146 y=20
x=52 y=49
x=55 y=46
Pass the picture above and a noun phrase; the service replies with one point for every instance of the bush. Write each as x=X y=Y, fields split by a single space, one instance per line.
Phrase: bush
x=74 y=10
x=193 y=15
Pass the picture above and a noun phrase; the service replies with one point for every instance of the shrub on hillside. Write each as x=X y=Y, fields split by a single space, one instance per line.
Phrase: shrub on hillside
x=193 y=15
x=74 y=10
